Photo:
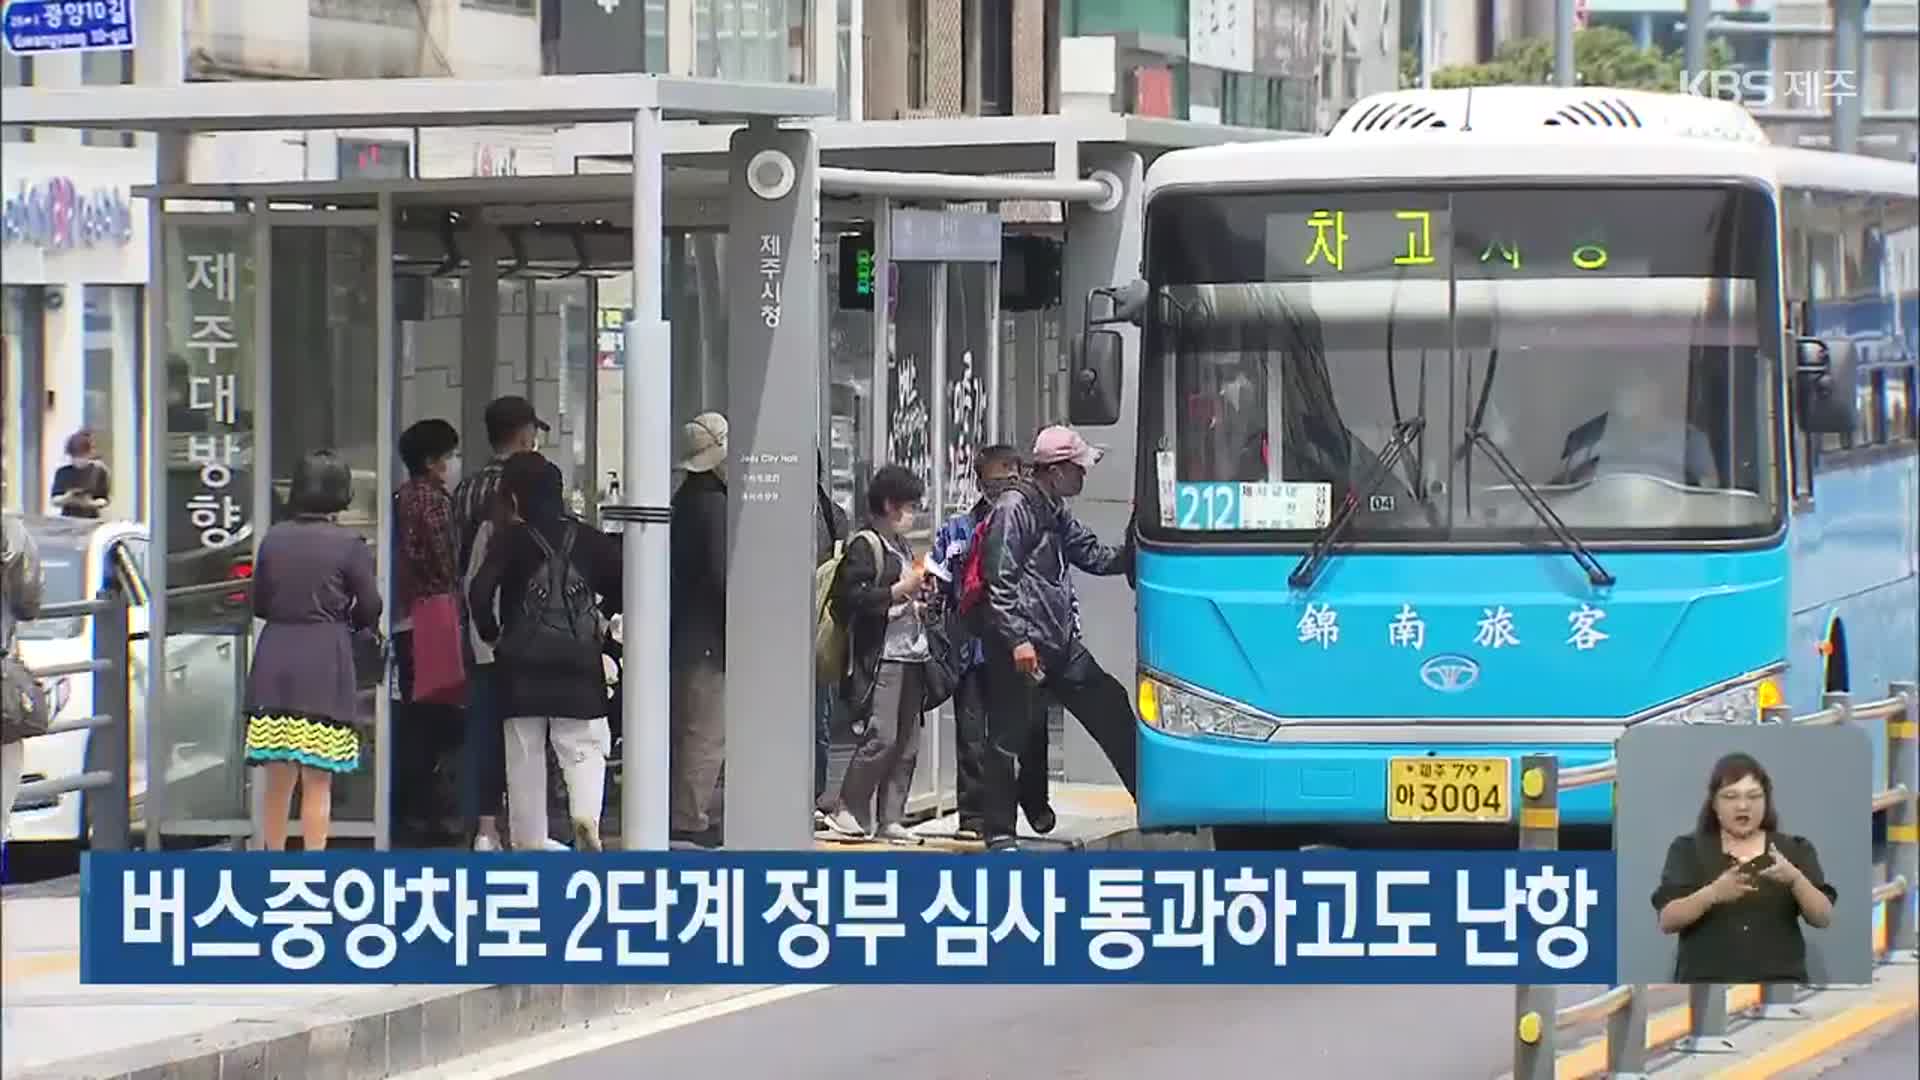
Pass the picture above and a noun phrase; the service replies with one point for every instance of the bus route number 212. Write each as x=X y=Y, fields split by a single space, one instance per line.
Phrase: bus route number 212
x=1208 y=507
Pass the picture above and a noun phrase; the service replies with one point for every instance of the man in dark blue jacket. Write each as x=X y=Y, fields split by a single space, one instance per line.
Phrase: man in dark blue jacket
x=995 y=468
x=1030 y=626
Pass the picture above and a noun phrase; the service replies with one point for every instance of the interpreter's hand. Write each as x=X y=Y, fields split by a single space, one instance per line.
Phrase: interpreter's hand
x=1731 y=885
x=1026 y=660
x=1782 y=871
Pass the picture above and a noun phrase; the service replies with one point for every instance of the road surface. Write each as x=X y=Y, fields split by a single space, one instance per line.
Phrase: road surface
x=1067 y=1032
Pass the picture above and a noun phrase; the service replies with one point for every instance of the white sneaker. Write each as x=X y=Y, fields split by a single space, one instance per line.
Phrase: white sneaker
x=586 y=835
x=896 y=833
x=554 y=845
x=843 y=823
x=483 y=842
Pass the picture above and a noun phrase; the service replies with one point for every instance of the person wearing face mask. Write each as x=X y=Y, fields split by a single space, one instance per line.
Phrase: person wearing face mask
x=698 y=632
x=877 y=595
x=1030 y=628
x=425 y=566
x=995 y=469
x=513 y=427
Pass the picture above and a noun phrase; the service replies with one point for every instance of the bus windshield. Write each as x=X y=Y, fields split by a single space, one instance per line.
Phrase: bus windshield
x=1618 y=346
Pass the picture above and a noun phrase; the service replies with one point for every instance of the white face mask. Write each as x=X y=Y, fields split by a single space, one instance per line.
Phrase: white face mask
x=454 y=466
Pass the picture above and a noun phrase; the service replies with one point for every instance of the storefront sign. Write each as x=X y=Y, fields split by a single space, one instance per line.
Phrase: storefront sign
x=212 y=266
x=55 y=214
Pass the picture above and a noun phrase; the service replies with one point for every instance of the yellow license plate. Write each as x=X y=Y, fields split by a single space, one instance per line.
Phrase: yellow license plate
x=1427 y=789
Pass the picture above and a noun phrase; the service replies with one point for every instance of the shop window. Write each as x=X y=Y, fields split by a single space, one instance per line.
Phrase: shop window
x=15 y=71
x=111 y=407
x=107 y=69
x=916 y=54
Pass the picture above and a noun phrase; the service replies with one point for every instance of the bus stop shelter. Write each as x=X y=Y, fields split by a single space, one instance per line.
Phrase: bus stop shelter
x=231 y=262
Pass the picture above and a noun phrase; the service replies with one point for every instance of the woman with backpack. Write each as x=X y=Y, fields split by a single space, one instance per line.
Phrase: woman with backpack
x=551 y=575
x=877 y=595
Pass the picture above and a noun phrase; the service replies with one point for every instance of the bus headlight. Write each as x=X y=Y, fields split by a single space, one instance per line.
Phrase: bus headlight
x=1741 y=704
x=1177 y=712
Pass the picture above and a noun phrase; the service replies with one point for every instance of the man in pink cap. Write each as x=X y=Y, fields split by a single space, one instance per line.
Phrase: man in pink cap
x=1030 y=627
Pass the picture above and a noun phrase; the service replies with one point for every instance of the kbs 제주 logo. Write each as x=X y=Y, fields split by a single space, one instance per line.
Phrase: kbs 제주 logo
x=1449 y=674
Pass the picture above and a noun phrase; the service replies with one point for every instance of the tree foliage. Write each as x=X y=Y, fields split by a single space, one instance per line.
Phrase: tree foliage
x=1602 y=56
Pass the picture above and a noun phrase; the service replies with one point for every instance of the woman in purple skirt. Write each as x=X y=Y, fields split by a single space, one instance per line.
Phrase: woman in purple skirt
x=314 y=585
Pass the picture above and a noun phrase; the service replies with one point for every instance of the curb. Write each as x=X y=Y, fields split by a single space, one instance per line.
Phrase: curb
x=377 y=1035
x=369 y=1036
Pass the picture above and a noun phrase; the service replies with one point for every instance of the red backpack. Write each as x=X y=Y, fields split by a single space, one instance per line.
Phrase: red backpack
x=972 y=589
x=973 y=575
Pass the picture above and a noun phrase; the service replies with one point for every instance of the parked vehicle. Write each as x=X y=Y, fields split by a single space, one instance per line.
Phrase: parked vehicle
x=203 y=670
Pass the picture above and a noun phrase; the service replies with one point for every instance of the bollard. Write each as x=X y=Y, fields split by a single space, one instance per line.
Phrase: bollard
x=1534 y=1053
x=1903 y=823
x=108 y=809
x=1780 y=1001
x=1707 y=1015
x=1627 y=1039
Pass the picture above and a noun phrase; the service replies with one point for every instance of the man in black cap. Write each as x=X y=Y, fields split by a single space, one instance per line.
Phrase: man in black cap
x=512 y=427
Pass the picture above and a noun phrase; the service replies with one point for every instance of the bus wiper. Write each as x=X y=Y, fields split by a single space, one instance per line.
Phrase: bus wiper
x=1530 y=495
x=1403 y=435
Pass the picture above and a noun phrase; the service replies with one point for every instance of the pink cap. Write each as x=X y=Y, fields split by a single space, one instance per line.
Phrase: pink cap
x=1058 y=444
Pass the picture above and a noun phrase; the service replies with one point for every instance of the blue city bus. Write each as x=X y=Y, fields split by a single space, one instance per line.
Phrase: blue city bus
x=1457 y=446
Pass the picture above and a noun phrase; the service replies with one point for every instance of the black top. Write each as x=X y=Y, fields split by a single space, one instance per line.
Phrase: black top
x=511 y=563
x=862 y=597
x=1755 y=939
x=90 y=478
x=698 y=541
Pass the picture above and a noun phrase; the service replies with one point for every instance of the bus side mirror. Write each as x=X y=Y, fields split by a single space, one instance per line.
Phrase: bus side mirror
x=1119 y=304
x=1094 y=398
x=1823 y=400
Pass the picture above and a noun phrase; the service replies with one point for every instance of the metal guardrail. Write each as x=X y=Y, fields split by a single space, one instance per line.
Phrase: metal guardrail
x=110 y=812
x=1537 y=1020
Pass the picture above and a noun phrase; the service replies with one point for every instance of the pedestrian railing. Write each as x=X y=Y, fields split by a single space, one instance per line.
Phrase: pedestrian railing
x=109 y=808
x=1538 y=1019
x=104 y=774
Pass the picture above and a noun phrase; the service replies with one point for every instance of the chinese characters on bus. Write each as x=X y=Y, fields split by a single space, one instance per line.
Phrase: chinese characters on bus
x=1496 y=628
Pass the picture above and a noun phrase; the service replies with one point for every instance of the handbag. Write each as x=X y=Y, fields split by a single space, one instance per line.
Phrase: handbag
x=439 y=665
x=947 y=642
x=369 y=659
x=24 y=712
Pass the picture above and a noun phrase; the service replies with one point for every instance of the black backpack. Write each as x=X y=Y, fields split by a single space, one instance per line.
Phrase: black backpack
x=559 y=624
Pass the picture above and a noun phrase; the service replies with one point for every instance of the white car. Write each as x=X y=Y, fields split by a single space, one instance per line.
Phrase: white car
x=78 y=556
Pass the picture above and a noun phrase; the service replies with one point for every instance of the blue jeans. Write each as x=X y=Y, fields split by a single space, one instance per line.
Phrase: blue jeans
x=483 y=764
x=822 y=736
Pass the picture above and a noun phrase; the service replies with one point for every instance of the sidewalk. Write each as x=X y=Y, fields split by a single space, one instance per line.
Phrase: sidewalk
x=52 y=1026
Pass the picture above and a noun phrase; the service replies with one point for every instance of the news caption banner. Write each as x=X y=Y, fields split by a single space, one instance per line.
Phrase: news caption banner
x=773 y=918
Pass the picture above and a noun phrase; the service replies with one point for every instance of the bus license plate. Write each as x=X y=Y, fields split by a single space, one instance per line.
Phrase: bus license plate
x=1449 y=789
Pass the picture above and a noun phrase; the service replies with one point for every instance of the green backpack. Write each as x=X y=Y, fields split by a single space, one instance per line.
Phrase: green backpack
x=830 y=646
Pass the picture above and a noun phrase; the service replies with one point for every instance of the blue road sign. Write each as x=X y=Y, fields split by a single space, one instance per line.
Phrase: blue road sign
x=57 y=26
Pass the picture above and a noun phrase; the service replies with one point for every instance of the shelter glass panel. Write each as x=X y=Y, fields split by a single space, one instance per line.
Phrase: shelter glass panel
x=325 y=396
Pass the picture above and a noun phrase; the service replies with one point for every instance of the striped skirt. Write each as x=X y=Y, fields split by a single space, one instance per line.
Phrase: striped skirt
x=318 y=742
